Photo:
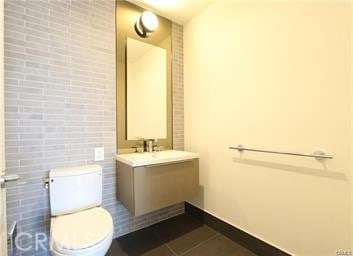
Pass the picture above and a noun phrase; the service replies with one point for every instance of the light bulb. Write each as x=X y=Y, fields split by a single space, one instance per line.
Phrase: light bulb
x=146 y=24
x=149 y=21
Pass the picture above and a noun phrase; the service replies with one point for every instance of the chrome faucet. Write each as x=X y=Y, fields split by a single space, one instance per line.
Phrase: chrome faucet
x=148 y=145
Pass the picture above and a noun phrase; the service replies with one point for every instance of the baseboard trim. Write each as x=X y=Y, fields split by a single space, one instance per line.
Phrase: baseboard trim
x=248 y=241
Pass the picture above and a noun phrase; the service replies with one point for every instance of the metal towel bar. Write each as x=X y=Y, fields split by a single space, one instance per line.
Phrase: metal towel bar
x=319 y=155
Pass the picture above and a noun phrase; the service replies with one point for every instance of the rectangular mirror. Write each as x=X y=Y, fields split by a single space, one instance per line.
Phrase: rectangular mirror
x=144 y=84
x=146 y=90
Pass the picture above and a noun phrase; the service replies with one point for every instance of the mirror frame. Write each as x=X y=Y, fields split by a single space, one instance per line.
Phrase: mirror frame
x=127 y=14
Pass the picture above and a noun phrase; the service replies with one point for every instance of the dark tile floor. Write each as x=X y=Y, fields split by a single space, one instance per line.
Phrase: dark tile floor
x=180 y=235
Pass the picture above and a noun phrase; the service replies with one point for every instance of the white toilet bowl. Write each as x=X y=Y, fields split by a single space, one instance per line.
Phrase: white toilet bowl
x=86 y=233
x=79 y=226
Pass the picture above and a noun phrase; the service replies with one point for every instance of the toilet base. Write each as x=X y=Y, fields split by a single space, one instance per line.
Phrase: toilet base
x=97 y=250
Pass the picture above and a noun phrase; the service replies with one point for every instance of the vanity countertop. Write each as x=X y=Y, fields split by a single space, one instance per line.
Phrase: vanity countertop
x=146 y=158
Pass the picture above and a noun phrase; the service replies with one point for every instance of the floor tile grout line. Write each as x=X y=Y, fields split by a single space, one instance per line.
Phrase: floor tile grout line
x=203 y=242
x=171 y=249
x=159 y=239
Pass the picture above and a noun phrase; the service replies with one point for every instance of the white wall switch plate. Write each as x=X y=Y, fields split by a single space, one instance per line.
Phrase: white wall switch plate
x=98 y=154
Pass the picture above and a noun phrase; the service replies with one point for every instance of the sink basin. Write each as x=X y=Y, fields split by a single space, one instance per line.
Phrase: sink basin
x=146 y=158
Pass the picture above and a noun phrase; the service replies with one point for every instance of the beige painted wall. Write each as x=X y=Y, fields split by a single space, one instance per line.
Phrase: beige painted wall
x=351 y=125
x=273 y=76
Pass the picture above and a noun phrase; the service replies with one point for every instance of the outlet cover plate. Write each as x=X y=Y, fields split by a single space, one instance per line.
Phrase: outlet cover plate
x=99 y=154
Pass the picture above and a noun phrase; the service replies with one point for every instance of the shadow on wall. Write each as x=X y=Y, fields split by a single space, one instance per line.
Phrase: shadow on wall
x=324 y=172
x=200 y=197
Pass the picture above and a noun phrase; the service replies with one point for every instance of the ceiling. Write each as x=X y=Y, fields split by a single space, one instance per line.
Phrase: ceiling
x=179 y=11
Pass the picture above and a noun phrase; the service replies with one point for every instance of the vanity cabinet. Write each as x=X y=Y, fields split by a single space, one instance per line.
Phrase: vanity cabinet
x=148 y=188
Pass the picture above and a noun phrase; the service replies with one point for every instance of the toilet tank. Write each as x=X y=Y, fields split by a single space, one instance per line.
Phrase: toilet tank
x=74 y=189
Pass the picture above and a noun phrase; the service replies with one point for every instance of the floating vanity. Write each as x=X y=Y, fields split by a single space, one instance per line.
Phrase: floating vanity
x=151 y=181
x=148 y=181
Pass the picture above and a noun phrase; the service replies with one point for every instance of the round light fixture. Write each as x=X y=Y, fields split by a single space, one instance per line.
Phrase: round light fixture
x=146 y=24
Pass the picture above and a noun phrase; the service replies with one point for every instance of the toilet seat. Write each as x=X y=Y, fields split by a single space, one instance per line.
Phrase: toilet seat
x=96 y=250
x=88 y=232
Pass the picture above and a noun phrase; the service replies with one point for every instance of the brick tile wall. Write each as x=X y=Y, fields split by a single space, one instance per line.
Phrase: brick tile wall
x=60 y=104
x=178 y=86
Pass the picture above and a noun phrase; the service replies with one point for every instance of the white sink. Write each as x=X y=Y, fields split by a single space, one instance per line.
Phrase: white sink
x=142 y=159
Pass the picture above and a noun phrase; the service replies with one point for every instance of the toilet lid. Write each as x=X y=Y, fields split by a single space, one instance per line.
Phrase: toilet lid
x=82 y=229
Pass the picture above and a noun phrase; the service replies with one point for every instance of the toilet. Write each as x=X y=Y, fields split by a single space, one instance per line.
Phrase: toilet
x=79 y=226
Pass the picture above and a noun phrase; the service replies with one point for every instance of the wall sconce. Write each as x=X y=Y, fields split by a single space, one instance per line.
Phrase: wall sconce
x=146 y=24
